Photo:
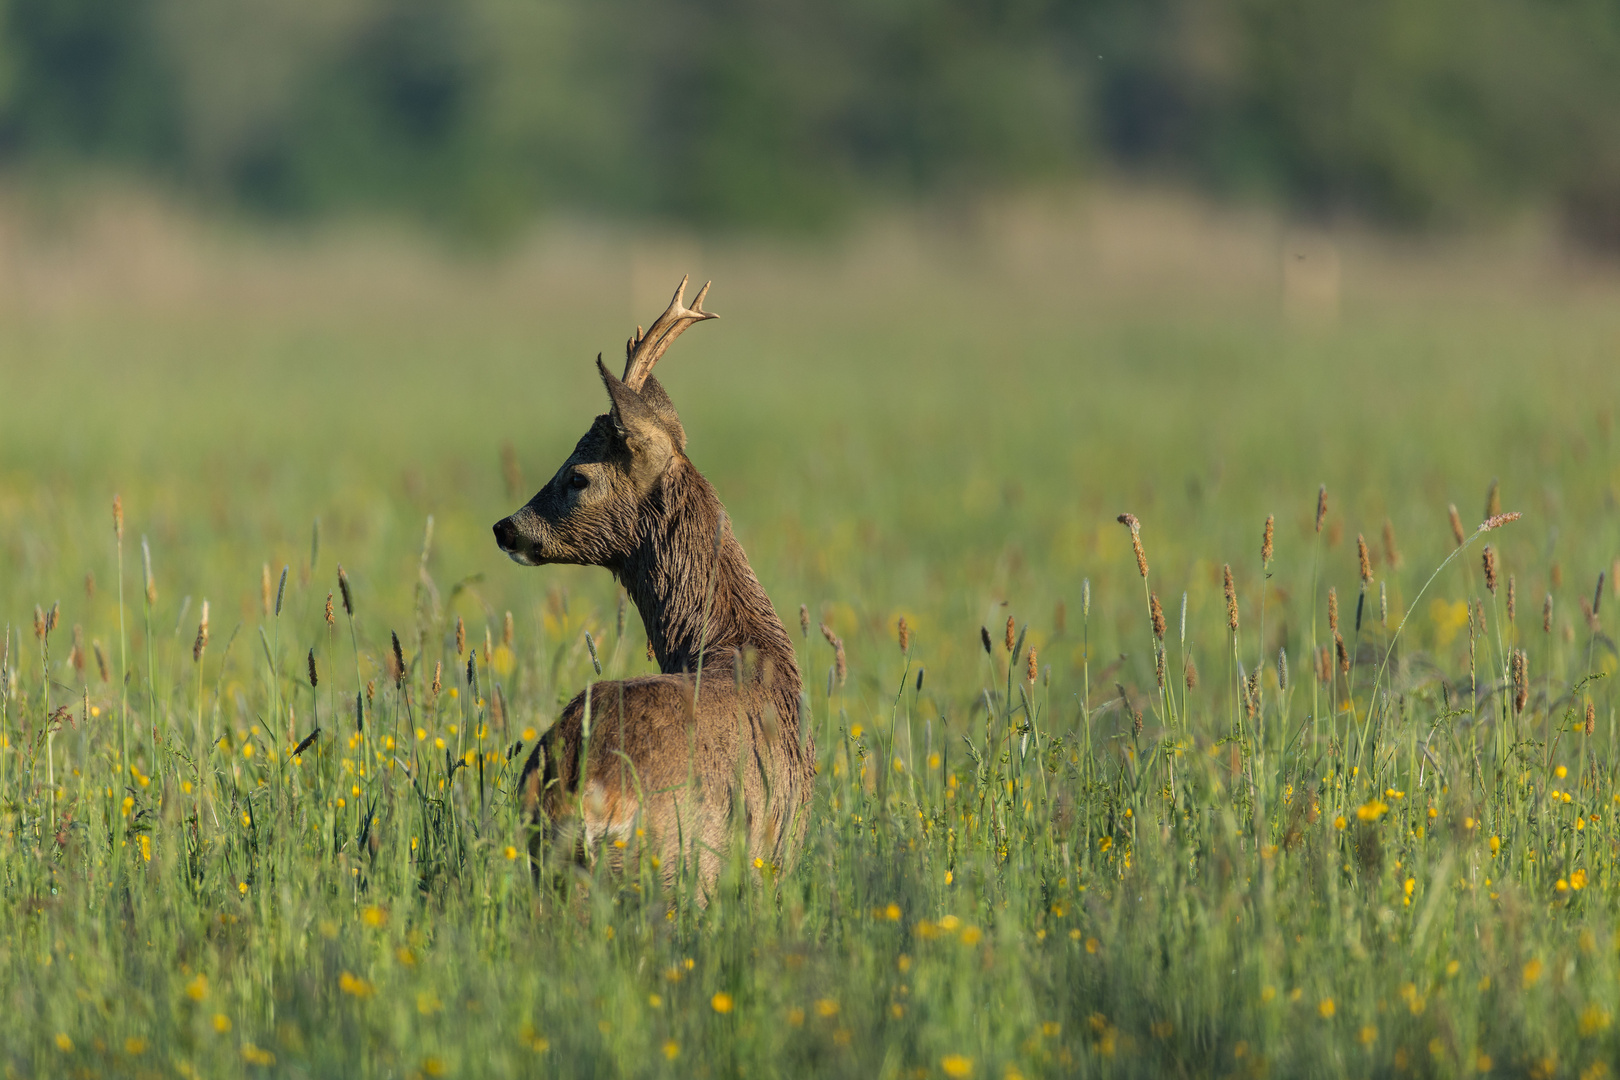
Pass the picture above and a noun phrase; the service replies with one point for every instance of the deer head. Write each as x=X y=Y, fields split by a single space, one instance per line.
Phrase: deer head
x=590 y=511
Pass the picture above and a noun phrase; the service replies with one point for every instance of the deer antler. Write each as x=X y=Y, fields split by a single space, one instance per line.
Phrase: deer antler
x=642 y=351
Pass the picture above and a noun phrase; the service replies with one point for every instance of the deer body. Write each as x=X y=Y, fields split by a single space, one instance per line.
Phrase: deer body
x=671 y=764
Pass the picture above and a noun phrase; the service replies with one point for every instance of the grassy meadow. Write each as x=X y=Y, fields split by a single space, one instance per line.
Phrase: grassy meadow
x=1032 y=853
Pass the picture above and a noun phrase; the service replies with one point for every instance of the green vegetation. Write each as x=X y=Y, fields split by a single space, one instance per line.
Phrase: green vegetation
x=475 y=114
x=1388 y=868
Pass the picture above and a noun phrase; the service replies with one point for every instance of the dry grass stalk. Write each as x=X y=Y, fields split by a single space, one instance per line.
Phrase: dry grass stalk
x=840 y=667
x=1231 y=598
x=201 y=643
x=1366 y=559
x=1157 y=613
x=1488 y=556
x=1266 y=540
x=1130 y=522
x=1457 y=533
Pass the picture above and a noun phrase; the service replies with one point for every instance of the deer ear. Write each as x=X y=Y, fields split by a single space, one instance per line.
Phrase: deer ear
x=652 y=392
x=639 y=426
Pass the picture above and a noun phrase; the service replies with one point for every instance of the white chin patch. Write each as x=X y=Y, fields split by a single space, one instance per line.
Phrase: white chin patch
x=522 y=558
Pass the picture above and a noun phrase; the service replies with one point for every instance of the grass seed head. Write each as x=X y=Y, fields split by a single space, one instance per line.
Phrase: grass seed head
x=1496 y=521
x=1344 y=654
x=314 y=677
x=1282 y=670
x=343 y=588
x=330 y=620
x=438 y=677
x=1512 y=598
x=1190 y=674
x=146 y=568
x=1383 y=604
x=903 y=632
x=1493 y=498
x=1521 y=685
x=984 y=639
x=1321 y=506
x=1231 y=598
x=461 y=637
x=101 y=664
x=804 y=620
x=1593 y=623
x=281 y=591
x=39 y=622
x=53 y=616
x=1597 y=594
x=202 y=636
x=265 y=596
x=1032 y=668
x=1488 y=556
x=1366 y=559
x=90 y=585
x=1060 y=619
x=507 y=631
x=1333 y=609
x=1324 y=665
x=1392 y=554
x=398 y=655
x=1591 y=718
x=1479 y=615
x=1546 y=615
x=1156 y=611
x=1130 y=522
x=1266 y=540
x=840 y=666
x=1008 y=642
x=1457 y=533
x=118 y=517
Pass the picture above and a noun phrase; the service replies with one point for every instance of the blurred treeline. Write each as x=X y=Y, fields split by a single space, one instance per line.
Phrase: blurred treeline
x=788 y=113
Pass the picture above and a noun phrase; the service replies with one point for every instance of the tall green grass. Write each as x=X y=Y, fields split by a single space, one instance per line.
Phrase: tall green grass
x=1391 y=868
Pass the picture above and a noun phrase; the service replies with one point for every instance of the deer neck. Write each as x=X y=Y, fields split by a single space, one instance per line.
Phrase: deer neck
x=699 y=599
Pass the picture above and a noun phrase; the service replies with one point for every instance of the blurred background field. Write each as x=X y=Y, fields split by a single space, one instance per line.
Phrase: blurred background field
x=988 y=277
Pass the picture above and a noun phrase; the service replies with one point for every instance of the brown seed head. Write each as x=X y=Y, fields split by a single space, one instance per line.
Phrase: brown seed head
x=1324 y=665
x=90 y=585
x=1231 y=598
x=1489 y=558
x=1157 y=613
x=314 y=676
x=1591 y=718
x=1321 y=506
x=39 y=622
x=202 y=636
x=101 y=661
x=1493 y=499
x=1479 y=616
x=399 y=659
x=1190 y=674
x=1496 y=521
x=1333 y=609
x=1392 y=554
x=837 y=643
x=1593 y=623
x=1512 y=598
x=1366 y=559
x=1032 y=670
x=804 y=620
x=343 y=590
x=1597 y=595
x=461 y=636
x=1282 y=670
x=53 y=617
x=984 y=639
x=506 y=631
x=1344 y=654
x=371 y=689
x=1253 y=693
x=1130 y=522
x=1008 y=642
x=1457 y=533
x=76 y=656
x=438 y=677
x=1521 y=682
x=1546 y=615
x=904 y=633
x=1557 y=575
x=1265 y=541
x=118 y=517
x=265 y=596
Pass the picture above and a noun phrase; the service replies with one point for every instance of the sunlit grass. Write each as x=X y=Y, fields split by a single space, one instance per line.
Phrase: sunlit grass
x=1029 y=855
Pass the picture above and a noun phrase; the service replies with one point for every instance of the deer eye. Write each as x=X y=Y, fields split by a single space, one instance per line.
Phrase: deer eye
x=579 y=481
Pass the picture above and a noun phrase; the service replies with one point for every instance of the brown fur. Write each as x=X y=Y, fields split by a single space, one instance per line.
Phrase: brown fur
x=685 y=774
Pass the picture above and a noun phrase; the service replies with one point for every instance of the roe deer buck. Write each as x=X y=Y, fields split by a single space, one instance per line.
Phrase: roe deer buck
x=715 y=740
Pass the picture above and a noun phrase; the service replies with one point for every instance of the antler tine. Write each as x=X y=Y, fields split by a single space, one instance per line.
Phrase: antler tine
x=643 y=351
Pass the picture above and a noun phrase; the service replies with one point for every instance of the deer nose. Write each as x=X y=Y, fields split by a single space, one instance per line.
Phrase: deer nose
x=506 y=534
